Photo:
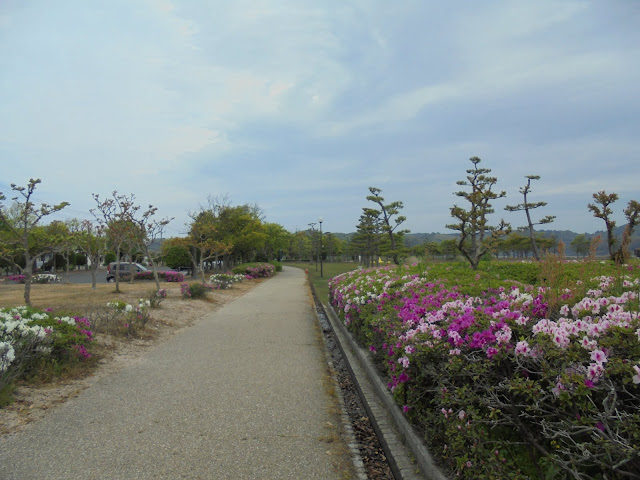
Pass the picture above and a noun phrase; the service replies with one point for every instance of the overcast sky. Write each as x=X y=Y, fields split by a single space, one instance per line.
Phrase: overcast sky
x=301 y=105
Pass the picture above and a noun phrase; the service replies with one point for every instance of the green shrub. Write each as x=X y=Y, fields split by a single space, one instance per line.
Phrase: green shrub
x=278 y=266
x=156 y=297
x=195 y=290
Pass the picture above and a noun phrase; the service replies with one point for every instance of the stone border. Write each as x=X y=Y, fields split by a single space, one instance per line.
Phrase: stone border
x=349 y=436
x=408 y=456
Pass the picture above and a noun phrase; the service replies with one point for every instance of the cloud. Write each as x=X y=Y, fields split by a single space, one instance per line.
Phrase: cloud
x=301 y=105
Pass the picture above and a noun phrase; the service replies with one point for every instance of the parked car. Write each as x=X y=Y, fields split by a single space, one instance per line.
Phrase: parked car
x=125 y=270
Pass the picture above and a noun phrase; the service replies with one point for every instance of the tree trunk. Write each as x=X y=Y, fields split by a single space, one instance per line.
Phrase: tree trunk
x=132 y=268
x=66 y=268
x=531 y=233
x=95 y=262
x=117 y=269
x=153 y=267
x=194 y=262
x=28 y=275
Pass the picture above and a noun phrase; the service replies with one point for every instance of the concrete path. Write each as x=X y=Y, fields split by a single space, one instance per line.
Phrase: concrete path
x=237 y=396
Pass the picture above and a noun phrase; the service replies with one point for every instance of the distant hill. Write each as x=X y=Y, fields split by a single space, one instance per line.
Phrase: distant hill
x=413 y=239
x=567 y=236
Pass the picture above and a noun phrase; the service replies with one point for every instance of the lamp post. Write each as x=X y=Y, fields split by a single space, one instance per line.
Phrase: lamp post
x=320 y=221
x=312 y=242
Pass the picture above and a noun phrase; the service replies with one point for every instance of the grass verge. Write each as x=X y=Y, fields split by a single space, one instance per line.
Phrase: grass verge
x=329 y=270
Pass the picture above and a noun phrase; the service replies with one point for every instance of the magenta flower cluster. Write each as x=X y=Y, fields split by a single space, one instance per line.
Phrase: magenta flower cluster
x=16 y=278
x=263 y=270
x=168 y=276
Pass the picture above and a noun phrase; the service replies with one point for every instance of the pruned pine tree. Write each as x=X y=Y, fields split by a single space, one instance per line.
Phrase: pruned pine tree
x=527 y=207
x=389 y=224
x=476 y=235
x=601 y=209
x=366 y=241
x=20 y=228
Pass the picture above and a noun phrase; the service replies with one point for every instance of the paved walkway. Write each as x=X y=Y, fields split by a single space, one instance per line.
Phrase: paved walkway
x=237 y=396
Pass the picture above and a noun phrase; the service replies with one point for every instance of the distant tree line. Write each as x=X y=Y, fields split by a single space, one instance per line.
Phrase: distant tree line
x=377 y=238
x=221 y=234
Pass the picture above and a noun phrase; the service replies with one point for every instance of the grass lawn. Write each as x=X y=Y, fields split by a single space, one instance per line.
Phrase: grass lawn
x=329 y=270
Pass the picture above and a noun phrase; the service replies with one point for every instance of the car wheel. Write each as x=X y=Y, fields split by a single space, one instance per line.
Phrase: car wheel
x=110 y=280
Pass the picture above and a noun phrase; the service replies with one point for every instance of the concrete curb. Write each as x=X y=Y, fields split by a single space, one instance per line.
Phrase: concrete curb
x=393 y=428
x=350 y=437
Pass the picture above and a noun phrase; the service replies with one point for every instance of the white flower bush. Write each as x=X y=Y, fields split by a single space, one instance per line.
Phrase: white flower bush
x=46 y=278
x=19 y=340
x=225 y=281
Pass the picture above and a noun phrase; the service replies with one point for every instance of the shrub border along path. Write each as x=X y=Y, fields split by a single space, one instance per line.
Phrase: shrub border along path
x=392 y=428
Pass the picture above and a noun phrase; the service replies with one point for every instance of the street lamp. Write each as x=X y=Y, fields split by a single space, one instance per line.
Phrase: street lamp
x=320 y=221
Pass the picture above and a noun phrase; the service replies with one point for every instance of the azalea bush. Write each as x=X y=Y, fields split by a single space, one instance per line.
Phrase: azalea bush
x=35 y=343
x=507 y=379
x=195 y=290
x=225 y=281
x=128 y=319
x=255 y=270
x=155 y=297
x=171 y=276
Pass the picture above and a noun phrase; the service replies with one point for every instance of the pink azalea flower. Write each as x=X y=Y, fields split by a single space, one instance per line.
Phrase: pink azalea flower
x=598 y=356
x=522 y=348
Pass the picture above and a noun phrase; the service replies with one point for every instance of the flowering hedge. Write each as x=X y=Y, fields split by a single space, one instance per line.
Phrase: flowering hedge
x=255 y=270
x=168 y=276
x=37 y=278
x=501 y=383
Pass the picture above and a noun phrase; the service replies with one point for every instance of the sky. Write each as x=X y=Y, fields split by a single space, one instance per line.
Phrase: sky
x=299 y=106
